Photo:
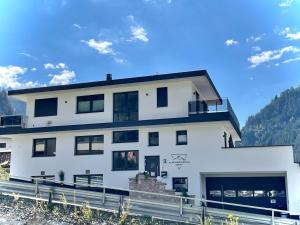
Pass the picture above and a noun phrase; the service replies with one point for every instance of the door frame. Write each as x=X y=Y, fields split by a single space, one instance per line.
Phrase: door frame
x=158 y=166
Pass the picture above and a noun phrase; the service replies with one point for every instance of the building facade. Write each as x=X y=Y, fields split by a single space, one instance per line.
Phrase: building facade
x=175 y=126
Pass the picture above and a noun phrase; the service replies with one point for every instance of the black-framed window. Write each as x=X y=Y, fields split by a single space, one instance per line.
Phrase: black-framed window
x=45 y=107
x=162 y=97
x=180 y=184
x=125 y=136
x=153 y=138
x=44 y=147
x=85 y=145
x=2 y=145
x=181 y=137
x=90 y=103
x=86 y=180
x=126 y=106
x=125 y=160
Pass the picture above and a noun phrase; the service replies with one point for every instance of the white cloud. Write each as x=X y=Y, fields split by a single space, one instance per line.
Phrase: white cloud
x=289 y=34
x=53 y=66
x=292 y=60
x=139 y=33
x=10 y=77
x=62 y=78
x=267 y=56
x=230 y=42
x=27 y=55
x=102 y=47
x=256 y=48
x=255 y=38
x=33 y=69
x=285 y=3
x=77 y=26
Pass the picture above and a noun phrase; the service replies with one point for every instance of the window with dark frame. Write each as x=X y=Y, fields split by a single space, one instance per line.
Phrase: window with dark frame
x=45 y=107
x=181 y=137
x=153 y=138
x=90 y=103
x=87 y=180
x=180 y=184
x=88 y=145
x=126 y=106
x=44 y=147
x=125 y=160
x=2 y=145
x=162 y=97
x=125 y=136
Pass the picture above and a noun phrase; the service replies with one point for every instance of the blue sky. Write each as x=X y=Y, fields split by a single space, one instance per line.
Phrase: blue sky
x=251 y=49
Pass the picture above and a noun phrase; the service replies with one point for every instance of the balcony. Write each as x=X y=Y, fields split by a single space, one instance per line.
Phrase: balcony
x=212 y=106
x=13 y=121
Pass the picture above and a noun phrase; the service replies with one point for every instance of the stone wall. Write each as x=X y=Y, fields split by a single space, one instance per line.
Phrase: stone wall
x=150 y=184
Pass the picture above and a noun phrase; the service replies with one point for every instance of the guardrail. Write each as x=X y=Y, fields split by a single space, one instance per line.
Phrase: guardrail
x=212 y=106
x=13 y=121
x=176 y=209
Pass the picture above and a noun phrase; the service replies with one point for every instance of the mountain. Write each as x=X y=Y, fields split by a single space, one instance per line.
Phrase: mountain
x=10 y=105
x=278 y=123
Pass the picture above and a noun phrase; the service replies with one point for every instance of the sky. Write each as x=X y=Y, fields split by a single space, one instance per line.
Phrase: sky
x=251 y=49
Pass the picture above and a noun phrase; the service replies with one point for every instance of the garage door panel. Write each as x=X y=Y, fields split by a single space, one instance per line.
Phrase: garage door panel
x=266 y=192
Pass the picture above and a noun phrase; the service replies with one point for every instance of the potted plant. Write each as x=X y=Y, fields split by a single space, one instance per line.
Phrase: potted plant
x=61 y=175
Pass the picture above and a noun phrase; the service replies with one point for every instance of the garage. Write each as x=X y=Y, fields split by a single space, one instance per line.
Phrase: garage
x=269 y=192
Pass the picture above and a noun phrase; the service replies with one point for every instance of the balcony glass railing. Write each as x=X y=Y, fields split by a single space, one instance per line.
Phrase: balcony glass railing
x=13 y=121
x=212 y=106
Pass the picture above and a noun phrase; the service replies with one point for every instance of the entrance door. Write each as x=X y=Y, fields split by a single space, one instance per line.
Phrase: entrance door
x=152 y=165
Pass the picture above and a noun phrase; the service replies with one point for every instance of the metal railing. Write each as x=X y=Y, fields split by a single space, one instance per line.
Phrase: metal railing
x=177 y=208
x=212 y=106
x=13 y=121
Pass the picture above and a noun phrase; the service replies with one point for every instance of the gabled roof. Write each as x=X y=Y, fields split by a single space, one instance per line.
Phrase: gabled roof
x=169 y=76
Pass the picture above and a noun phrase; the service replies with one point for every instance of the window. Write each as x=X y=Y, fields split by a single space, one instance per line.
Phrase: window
x=126 y=106
x=162 y=97
x=260 y=193
x=125 y=136
x=125 y=160
x=45 y=107
x=153 y=138
x=215 y=193
x=230 y=193
x=85 y=145
x=88 y=180
x=181 y=137
x=2 y=145
x=180 y=184
x=90 y=103
x=44 y=147
x=245 y=193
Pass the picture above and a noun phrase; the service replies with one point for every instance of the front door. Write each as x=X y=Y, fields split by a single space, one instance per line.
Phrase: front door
x=152 y=165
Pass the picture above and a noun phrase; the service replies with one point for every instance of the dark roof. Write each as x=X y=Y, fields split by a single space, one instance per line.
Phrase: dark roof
x=116 y=82
x=204 y=117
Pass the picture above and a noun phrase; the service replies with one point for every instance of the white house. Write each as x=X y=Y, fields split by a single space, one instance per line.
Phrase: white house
x=173 y=125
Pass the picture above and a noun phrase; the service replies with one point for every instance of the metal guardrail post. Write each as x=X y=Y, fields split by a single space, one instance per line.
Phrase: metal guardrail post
x=273 y=219
x=103 y=195
x=74 y=197
x=36 y=187
x=181 y=208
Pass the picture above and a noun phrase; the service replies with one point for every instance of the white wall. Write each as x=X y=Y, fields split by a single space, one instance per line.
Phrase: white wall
x=8 y=144
x=205 y=155
x=179 y=94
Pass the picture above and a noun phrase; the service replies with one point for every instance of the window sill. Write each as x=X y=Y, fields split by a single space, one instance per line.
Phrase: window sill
x=42 y=156
x=125 y=169
x=89 y=112
x=181 y=143
x=100 y=152
x=153 y=145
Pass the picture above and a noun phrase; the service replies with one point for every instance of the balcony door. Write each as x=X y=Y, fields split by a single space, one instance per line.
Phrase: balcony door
x=126 y=105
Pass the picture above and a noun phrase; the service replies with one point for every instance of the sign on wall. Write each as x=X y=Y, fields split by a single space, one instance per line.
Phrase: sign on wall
x=178 y=160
